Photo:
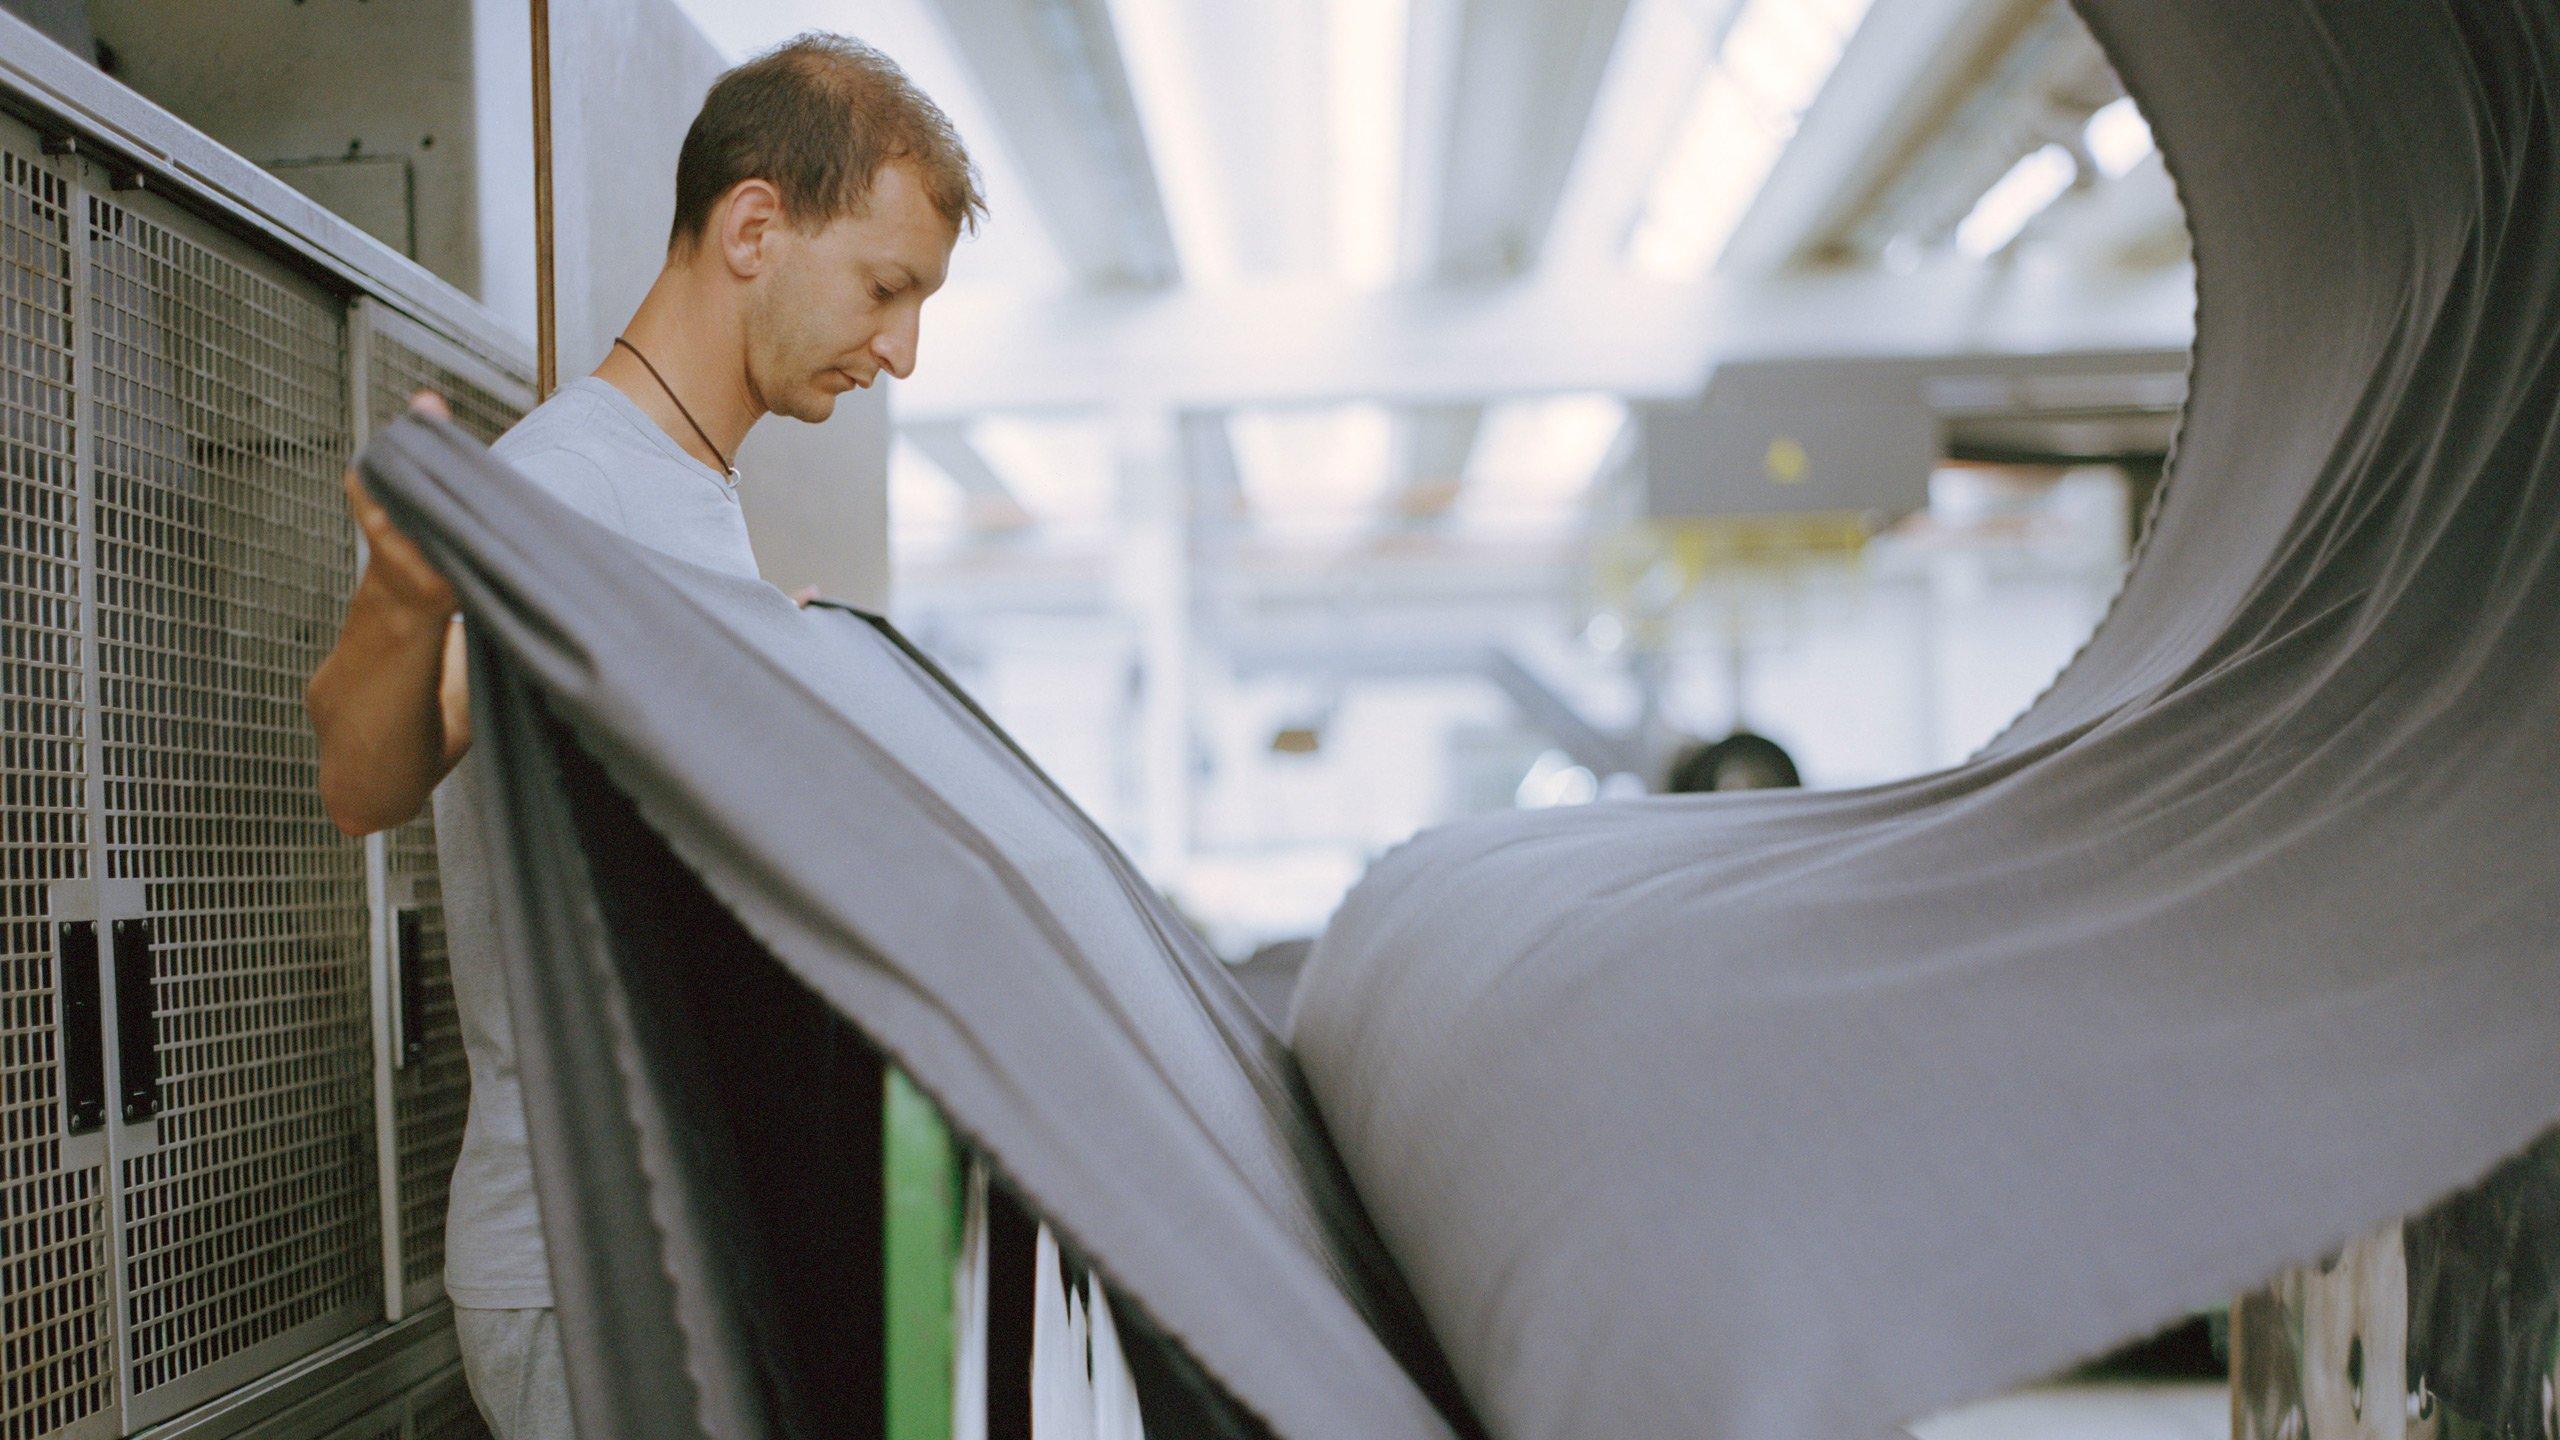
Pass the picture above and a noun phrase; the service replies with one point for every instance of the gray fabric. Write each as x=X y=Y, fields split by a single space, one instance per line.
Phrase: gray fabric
x=1791 y=1116
x=512 y=1360
x=592 y=449
x=1749 y=1116
x=695 y=780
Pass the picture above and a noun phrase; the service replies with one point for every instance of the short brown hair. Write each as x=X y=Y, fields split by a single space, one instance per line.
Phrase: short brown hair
x=816 y=118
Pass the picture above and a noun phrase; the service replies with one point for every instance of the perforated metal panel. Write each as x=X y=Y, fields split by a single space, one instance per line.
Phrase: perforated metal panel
x=432 y=1090
x=224 y=555
x=57 y=1322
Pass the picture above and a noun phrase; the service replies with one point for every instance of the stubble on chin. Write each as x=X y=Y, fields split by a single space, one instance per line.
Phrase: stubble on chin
x=811 y=406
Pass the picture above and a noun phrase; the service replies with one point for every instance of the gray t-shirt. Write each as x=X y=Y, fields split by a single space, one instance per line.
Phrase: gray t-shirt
x=599 y=453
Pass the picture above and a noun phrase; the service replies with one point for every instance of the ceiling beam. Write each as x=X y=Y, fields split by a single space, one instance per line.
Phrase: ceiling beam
x=1208 y=457
x=1665 y=51
x=1249 y=196
x=1503 y=91
x=1432 y=446
x=1895 y=81
x=992 y=505
x=1317 y=341
x=1052 y=73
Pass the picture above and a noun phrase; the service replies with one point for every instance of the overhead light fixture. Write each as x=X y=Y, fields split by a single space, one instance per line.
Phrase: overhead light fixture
x=2118 y=138
x=1774 y=61
x=1314 y=472
x=1365 y=119
x=2014 y=200
x=1535 y=460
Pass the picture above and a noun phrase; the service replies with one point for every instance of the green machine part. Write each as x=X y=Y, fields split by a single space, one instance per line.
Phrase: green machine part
x=921 y=1217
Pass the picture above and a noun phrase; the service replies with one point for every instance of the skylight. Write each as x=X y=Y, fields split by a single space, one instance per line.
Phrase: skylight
x=2118 y=138
x=1534 y=460
x=1314 y=471
x=1060 y=467
x=1365 y=80
x=1162 y=73
x=1774 y=61
x=2014 y=200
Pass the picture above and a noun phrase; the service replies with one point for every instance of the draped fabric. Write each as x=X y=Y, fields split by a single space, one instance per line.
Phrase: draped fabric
x=1752 y=1116
x=733 y=828
x=1788 y=1115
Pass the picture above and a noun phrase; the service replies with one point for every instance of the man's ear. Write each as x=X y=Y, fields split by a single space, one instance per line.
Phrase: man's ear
x=748 y=218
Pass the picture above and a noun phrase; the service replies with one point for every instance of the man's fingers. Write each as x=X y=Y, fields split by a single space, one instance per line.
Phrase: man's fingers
x=370 y=516
x=396 y=553
x=428 y=402
x=375 y=521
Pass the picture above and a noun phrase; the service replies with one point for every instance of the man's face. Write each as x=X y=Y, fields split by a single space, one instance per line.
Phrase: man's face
x=840 y=305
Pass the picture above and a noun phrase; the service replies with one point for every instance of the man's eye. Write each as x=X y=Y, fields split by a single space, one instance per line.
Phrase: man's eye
x=881 y=293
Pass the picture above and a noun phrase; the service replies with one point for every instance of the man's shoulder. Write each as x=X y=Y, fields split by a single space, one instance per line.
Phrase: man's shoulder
x=560 y=447
x=565 y=422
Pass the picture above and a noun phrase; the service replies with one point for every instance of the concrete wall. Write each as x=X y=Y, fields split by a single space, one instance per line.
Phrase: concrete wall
x=366 y=105
x=64 y=22
x=628 y=77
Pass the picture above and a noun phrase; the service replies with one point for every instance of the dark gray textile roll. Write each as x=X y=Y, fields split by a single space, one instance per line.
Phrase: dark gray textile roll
x=1781 y=1116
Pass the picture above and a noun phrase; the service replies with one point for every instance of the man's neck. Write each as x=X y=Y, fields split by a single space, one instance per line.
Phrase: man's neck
x=694 y=349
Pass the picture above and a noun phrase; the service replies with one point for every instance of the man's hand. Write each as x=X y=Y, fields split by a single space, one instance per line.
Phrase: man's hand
x=802 y=596
x=395 y=568
x=389 y=705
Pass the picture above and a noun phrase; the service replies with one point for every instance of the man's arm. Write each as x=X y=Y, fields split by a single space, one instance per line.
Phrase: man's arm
x=391 y=704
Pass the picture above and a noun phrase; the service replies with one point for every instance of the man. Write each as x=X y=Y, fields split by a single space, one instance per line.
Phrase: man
x=818 y=199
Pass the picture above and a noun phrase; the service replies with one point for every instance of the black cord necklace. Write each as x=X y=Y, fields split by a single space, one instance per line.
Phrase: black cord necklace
x=725 y=467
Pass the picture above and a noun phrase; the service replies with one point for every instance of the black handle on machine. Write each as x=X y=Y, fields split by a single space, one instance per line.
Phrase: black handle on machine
x=409 y=972
x=137 y=1024
x=84 y=1052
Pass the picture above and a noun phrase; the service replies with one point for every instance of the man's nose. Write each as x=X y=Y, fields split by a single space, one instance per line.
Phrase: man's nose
x=895 y=348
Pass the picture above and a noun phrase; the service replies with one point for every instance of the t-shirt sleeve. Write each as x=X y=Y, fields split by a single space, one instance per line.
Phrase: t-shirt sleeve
x=574 y=481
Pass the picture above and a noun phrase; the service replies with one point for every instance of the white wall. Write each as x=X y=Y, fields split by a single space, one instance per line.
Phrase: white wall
x=627 y=77
x=502 y=101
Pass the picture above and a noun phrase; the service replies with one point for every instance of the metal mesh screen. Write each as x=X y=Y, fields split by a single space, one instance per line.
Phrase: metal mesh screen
x=224 y=554
x=432 y=1092
x=56 y=1319
x=400 y=370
